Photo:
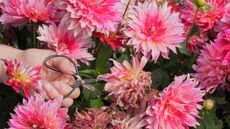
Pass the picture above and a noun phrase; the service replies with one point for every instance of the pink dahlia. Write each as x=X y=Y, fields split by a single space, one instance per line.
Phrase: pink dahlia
x=195 y=42
x=154 y=30
x=223 y=40
x=64 y=41
x=90 y=15
x=94 y=118
x=36 y=113
x=126 y=83
x=115 y=40
x=177 y=108
x=21 y=76
x=18 y=12
x=212 y=13
x=209 y=69
x=226 y=18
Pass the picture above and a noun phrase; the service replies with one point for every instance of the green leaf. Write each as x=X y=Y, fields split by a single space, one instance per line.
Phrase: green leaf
x=102 y=58
x=183 y=49
x=96 y=103
x=209 y=120
x=89 y=73
x=88 y=95
x=160 y=78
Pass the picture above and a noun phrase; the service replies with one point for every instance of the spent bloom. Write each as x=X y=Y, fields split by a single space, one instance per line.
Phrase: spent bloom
x=154 y=30
x=21 y=76
x=93 y=118
x=90 y=15
x=177 y=107
x=212 y=13
x=127 y=82
x=39 y=114
x=64 y=41
x=19 y=12
x=209 y=69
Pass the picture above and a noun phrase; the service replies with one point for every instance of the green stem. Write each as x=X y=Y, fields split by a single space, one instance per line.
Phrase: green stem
x=193 y=24
x=35 y=42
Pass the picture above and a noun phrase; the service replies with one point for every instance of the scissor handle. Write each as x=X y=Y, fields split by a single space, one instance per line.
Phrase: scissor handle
x=57 y=70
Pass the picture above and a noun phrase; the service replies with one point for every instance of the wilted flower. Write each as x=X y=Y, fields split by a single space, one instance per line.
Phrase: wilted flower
x=154 y=30
x=19 y=12
x=21 y=76
x=128 y=122
x=126 y=83
x=90 y=15
x=177 y=108
x=64 y=41
x=209 y=68
x=212 y=13
x=38 y=114
x=93 y=118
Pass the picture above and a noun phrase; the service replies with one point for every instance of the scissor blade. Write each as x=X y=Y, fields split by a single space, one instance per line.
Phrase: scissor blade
x=92 y=88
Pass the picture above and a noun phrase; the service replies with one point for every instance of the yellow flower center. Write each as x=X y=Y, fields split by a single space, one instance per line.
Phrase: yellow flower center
x=20 y=77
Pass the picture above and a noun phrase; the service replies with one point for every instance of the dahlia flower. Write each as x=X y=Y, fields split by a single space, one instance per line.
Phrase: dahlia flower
x=126 y=83
x=212 y=13
x=209 y=69
x=90 y=15
x=21 y=76
x=94 y=118
x=177 y=108
x=154 y=30
x=226 y=18
x=39 y=114
x=194 y=42
x=128 y=122
x=19 y=12
x=64 y=41
x=113 y=39
x=223 y=40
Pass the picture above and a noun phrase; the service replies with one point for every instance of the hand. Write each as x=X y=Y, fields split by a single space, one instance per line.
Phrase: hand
x=54 y=84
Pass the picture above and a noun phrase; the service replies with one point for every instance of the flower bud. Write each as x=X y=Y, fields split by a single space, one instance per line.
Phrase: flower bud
x=208 y=104
x=200 y=3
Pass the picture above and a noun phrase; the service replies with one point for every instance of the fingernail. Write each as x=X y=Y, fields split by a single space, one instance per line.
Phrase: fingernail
x=47 y=86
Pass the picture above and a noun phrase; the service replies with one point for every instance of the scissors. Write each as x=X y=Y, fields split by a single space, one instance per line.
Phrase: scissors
x=79 y=81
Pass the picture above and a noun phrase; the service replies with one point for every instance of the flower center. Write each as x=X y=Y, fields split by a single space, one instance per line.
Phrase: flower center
x=20 y=77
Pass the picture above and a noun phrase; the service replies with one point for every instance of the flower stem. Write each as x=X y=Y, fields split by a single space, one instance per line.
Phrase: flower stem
x=35 y=43
x=126 y=9
x=193 y=24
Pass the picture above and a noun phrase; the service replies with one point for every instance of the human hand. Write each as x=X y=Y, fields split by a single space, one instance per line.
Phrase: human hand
x=54 y=84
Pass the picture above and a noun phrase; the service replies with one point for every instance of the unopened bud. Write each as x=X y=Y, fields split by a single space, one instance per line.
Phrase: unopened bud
x=200 y=3
x=208 y=104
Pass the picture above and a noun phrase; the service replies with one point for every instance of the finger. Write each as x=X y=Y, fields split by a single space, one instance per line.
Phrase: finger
x=67 y=102
x=41 y=89
x=63 y=65
x=66 y=79
x=51 y=91
x=64 y=89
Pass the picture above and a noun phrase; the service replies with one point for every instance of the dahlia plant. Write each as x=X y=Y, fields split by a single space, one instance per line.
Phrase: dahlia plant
x=154 y=64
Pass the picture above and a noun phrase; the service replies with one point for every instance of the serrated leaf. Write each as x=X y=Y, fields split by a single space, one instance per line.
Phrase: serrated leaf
x=102 y=58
